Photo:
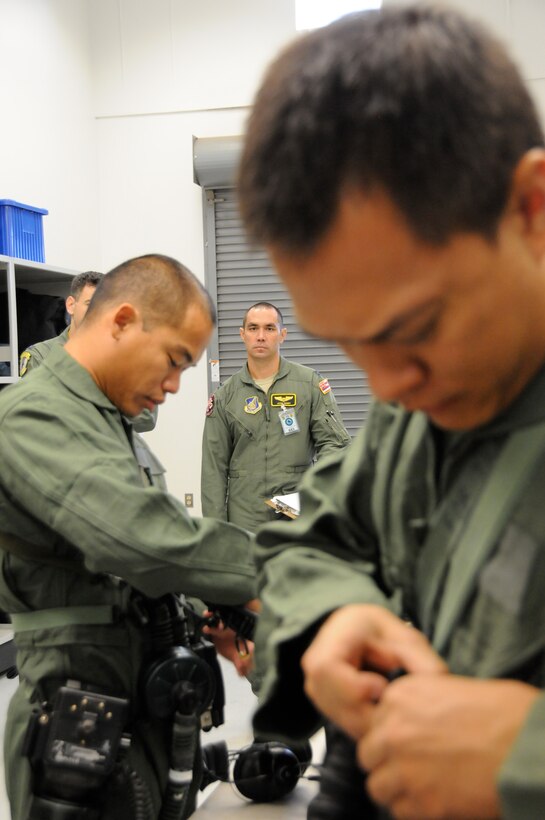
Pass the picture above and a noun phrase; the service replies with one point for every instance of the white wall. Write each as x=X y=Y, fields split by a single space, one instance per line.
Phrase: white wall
x=520 y=24
x=102 y=100
x=48 y=142
x=167 y=70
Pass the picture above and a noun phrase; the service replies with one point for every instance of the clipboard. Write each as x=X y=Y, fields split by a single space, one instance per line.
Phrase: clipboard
x=288 y=505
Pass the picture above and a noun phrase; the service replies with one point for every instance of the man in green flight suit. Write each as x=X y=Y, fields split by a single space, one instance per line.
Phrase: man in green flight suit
x=264 y=426
x=394 y=169
x=82 y=289
x=85 y=542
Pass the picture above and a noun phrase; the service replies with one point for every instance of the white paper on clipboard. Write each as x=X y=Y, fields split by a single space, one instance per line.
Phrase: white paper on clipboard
x=289 y=504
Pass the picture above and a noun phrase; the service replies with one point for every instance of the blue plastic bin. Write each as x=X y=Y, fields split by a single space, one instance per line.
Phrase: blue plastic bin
x=21 y=230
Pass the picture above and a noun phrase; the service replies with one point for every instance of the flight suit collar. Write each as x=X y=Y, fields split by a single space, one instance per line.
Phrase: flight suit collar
x=64 y=336
x=76 y=378
x=527 y=409
x=283 y=370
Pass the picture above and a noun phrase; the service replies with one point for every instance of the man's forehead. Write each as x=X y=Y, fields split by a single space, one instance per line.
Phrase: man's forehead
x=262 y=314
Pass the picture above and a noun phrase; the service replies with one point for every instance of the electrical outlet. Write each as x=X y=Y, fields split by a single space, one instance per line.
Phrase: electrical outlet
x=189 y=499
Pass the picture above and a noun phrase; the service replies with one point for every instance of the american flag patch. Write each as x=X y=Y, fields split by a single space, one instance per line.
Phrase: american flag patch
x=210 y=405
x=324 y=386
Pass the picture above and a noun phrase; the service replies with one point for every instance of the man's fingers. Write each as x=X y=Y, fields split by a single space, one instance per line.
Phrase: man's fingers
x=347 y=696
x=369 y=636
x=412 y=653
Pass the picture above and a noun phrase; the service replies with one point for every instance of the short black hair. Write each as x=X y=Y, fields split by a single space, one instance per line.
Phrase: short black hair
x=264 y=305
x=88 y=277
x=417 y=101
x=159 y=285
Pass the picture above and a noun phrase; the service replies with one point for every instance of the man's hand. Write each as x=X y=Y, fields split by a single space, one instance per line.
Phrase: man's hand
x=435 y=745
x=353 y=642
x=240 y=653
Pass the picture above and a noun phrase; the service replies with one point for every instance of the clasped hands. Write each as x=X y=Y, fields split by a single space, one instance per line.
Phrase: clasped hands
x=432 y=743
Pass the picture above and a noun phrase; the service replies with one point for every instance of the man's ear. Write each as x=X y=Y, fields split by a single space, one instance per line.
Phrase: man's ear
x=283 y=334
x=70 y=305
x=528 y=198
x=124 y=317
x=241 y=333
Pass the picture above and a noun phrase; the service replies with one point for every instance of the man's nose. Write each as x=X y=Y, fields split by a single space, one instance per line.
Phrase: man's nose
x=172 y=382
x=396 y=381
x=393 y=376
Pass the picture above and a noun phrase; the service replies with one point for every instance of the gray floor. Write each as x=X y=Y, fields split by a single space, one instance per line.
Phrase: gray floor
x=218 y=800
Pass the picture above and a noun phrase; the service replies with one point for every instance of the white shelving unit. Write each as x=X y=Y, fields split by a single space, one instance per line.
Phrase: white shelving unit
x=37 y=278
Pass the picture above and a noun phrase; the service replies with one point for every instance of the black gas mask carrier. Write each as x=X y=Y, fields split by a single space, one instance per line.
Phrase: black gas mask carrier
x=79 y=740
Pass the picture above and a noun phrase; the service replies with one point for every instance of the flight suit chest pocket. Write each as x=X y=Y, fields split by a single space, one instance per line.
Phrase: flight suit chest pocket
x=503 y=631
x=243 y=427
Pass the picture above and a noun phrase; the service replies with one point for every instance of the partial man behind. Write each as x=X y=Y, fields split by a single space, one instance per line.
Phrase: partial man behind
x=265 y=426
x=394 y=169
x=82 y=289
x=88 y=546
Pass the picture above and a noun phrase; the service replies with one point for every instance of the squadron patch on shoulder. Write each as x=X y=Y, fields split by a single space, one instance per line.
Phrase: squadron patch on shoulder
x=210 y=405
x=324 y=386
x=23 y=362
x=252 y=405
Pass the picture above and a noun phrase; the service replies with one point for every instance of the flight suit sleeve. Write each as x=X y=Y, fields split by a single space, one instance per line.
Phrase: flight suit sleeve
x=522 y=777
x=326 y=426
x=29 y=360
x=82 y=485
x=307 y=568
x=217 y=446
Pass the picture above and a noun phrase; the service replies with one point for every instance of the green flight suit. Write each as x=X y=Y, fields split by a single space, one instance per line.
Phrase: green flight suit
x=70 y=487
x=34 y=355
x=246 y=457
x=383 y=522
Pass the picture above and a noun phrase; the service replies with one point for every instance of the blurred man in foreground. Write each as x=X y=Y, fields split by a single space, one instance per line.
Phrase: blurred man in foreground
x=394 y=168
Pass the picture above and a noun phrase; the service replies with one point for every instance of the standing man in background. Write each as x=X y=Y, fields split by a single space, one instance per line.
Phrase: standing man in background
x=81 y=292
x=394 y=170
x=264 y=426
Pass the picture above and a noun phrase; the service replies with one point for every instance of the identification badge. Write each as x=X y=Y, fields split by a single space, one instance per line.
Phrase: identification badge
x=288 y=420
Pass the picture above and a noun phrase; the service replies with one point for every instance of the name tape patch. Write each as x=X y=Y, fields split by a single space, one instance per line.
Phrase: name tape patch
x=283 y=399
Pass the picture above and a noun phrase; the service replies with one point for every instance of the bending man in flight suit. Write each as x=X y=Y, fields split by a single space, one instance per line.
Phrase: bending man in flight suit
x=394 y=169
x=82 y=535
x=264 y=426
x=82 y=290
